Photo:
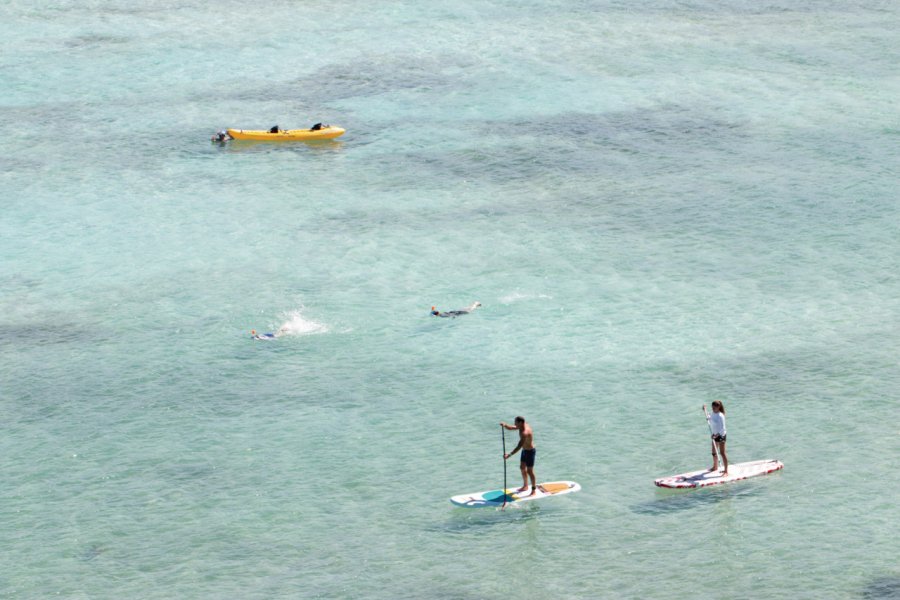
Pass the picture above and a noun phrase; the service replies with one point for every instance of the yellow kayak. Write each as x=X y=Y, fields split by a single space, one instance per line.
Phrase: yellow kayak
x=287 y=135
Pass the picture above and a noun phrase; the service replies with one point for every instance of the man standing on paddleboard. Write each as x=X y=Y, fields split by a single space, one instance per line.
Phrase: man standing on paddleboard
x=526 y=445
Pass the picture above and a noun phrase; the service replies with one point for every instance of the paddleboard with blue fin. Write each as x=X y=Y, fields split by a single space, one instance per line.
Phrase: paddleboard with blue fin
x=497 y=498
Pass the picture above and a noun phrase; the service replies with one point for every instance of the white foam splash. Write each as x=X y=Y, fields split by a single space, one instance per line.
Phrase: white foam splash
x=516 y=296
x=296 y=324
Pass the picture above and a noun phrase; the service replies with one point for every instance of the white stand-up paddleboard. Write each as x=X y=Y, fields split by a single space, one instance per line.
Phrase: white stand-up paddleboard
x=496 y=498
x=736 y=472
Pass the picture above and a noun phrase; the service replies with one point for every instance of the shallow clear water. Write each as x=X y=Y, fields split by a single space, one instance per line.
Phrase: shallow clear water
x=658 y=205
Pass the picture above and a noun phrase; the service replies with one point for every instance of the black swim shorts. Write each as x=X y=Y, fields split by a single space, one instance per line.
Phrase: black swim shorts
x=528 y=457
x=719 y=437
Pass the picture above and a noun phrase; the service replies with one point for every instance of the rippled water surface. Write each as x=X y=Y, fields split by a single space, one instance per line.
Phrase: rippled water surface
x=656 y=204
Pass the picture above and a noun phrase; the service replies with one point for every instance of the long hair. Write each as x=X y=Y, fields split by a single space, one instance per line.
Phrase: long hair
x=720 y=405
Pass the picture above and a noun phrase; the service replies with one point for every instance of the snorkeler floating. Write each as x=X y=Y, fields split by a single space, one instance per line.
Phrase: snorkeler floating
x=296 y=324
x=263 y=336
x=270 y=335
x=452 y=314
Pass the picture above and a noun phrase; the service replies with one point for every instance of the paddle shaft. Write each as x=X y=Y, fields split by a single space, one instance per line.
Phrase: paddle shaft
x=503 y=436
x=714 y=445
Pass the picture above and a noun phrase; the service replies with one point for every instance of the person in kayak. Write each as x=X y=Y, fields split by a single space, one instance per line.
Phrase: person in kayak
x=717 y=433
x=526 y=444
x=274 y=129
x=452 y=314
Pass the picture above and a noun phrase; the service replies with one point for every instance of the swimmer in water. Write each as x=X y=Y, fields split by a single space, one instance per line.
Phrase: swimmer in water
x=452 y=314
x=271 y=335
x=263 y=336
x=222 y=136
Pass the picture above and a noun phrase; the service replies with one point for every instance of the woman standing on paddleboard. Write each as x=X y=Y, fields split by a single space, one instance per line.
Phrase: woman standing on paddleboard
x=716 y=422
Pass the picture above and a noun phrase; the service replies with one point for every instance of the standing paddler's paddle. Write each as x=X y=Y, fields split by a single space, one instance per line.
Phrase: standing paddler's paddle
x=711 y=441
x=503 y=436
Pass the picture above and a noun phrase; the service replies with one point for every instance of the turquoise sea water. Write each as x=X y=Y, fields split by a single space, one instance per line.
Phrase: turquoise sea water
x=658 y=204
